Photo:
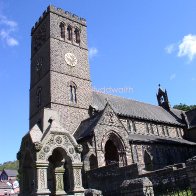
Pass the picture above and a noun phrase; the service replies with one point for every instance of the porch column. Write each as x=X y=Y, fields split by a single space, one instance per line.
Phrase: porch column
x=77 y=188
x=42 y=184
x=59 y=172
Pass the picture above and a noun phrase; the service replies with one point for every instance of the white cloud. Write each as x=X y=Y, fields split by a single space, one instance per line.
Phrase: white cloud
x=173 y=76
x=9 y=23
x=7 y=29
x=187 y=47
x=3 y=34
x=170 y=48
x=93 y=52
x=12 y=41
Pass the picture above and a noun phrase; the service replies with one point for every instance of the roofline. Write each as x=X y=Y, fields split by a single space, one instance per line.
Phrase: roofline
x=163 y=142
x=137 y=117
x=150 y=120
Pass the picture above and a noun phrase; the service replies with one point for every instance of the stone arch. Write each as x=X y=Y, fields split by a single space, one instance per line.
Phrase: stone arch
x=112 y=142
x=77 y=35
x=59 y=160
x=59 y=172
x=69 y=33
x=62 y=29
x=62 y=148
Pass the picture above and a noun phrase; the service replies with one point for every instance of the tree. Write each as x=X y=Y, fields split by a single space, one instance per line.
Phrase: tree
x=10 y=165
x=184 y=107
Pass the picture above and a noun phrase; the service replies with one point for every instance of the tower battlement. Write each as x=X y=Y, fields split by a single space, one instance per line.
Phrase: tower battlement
x=60 y=12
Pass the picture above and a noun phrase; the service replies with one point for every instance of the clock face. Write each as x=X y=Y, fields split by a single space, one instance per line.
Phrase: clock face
x=70 y=59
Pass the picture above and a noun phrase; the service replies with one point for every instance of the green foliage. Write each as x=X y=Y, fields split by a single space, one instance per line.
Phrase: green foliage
x=184 y=107
x=185 y=192
x=10 y=165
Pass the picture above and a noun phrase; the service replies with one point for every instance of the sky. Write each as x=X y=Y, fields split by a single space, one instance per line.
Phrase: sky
x=134 y=45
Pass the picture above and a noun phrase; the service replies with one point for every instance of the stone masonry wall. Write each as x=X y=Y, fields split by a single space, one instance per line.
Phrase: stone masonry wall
x=110 y=178
x=160 y=155
x=191 y=171
x=149 y=128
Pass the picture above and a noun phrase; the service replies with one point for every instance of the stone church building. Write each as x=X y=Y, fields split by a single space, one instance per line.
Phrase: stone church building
x=74 y=129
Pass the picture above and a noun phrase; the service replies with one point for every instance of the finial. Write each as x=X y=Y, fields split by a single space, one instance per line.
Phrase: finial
x=51 y=119
x=159 y=86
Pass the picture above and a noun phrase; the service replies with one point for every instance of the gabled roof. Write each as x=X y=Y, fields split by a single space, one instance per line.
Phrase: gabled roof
x=191 y=118
x=86 y=127
x=11 y=173
x=131 y=108
x=106 y=117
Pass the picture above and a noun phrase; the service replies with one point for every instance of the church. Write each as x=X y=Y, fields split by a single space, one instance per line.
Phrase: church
x=74 y=130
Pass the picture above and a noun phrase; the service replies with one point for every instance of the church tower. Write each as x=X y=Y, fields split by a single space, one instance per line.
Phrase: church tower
x=60 y=76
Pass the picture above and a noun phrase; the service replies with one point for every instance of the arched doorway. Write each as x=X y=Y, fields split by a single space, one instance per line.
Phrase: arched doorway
x=111 y=153
x=59 y=172
x=114 y=149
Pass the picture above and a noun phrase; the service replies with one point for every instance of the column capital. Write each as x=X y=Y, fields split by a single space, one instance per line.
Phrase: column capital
x=77 y=165
x=59 y=170
x=39 y=164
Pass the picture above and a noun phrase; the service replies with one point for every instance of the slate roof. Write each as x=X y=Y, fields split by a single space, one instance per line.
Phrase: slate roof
x=131 y=108
x=4 y=185
x=86 y=127
x=158 y=139
x=11 y=173
x=191 y=118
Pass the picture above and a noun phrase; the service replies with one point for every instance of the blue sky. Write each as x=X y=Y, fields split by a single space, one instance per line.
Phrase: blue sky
x=134 y=44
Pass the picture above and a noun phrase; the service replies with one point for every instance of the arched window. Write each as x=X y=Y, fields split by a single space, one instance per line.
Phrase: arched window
x=62 y=27
x=167 y=131
x=77 y=35
x=152 y=128
x=38 y=93
x=69 y=33
x=73 y=95
x=157 y=129
x=177 y=132
x=134 y=127
x=147 y=129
